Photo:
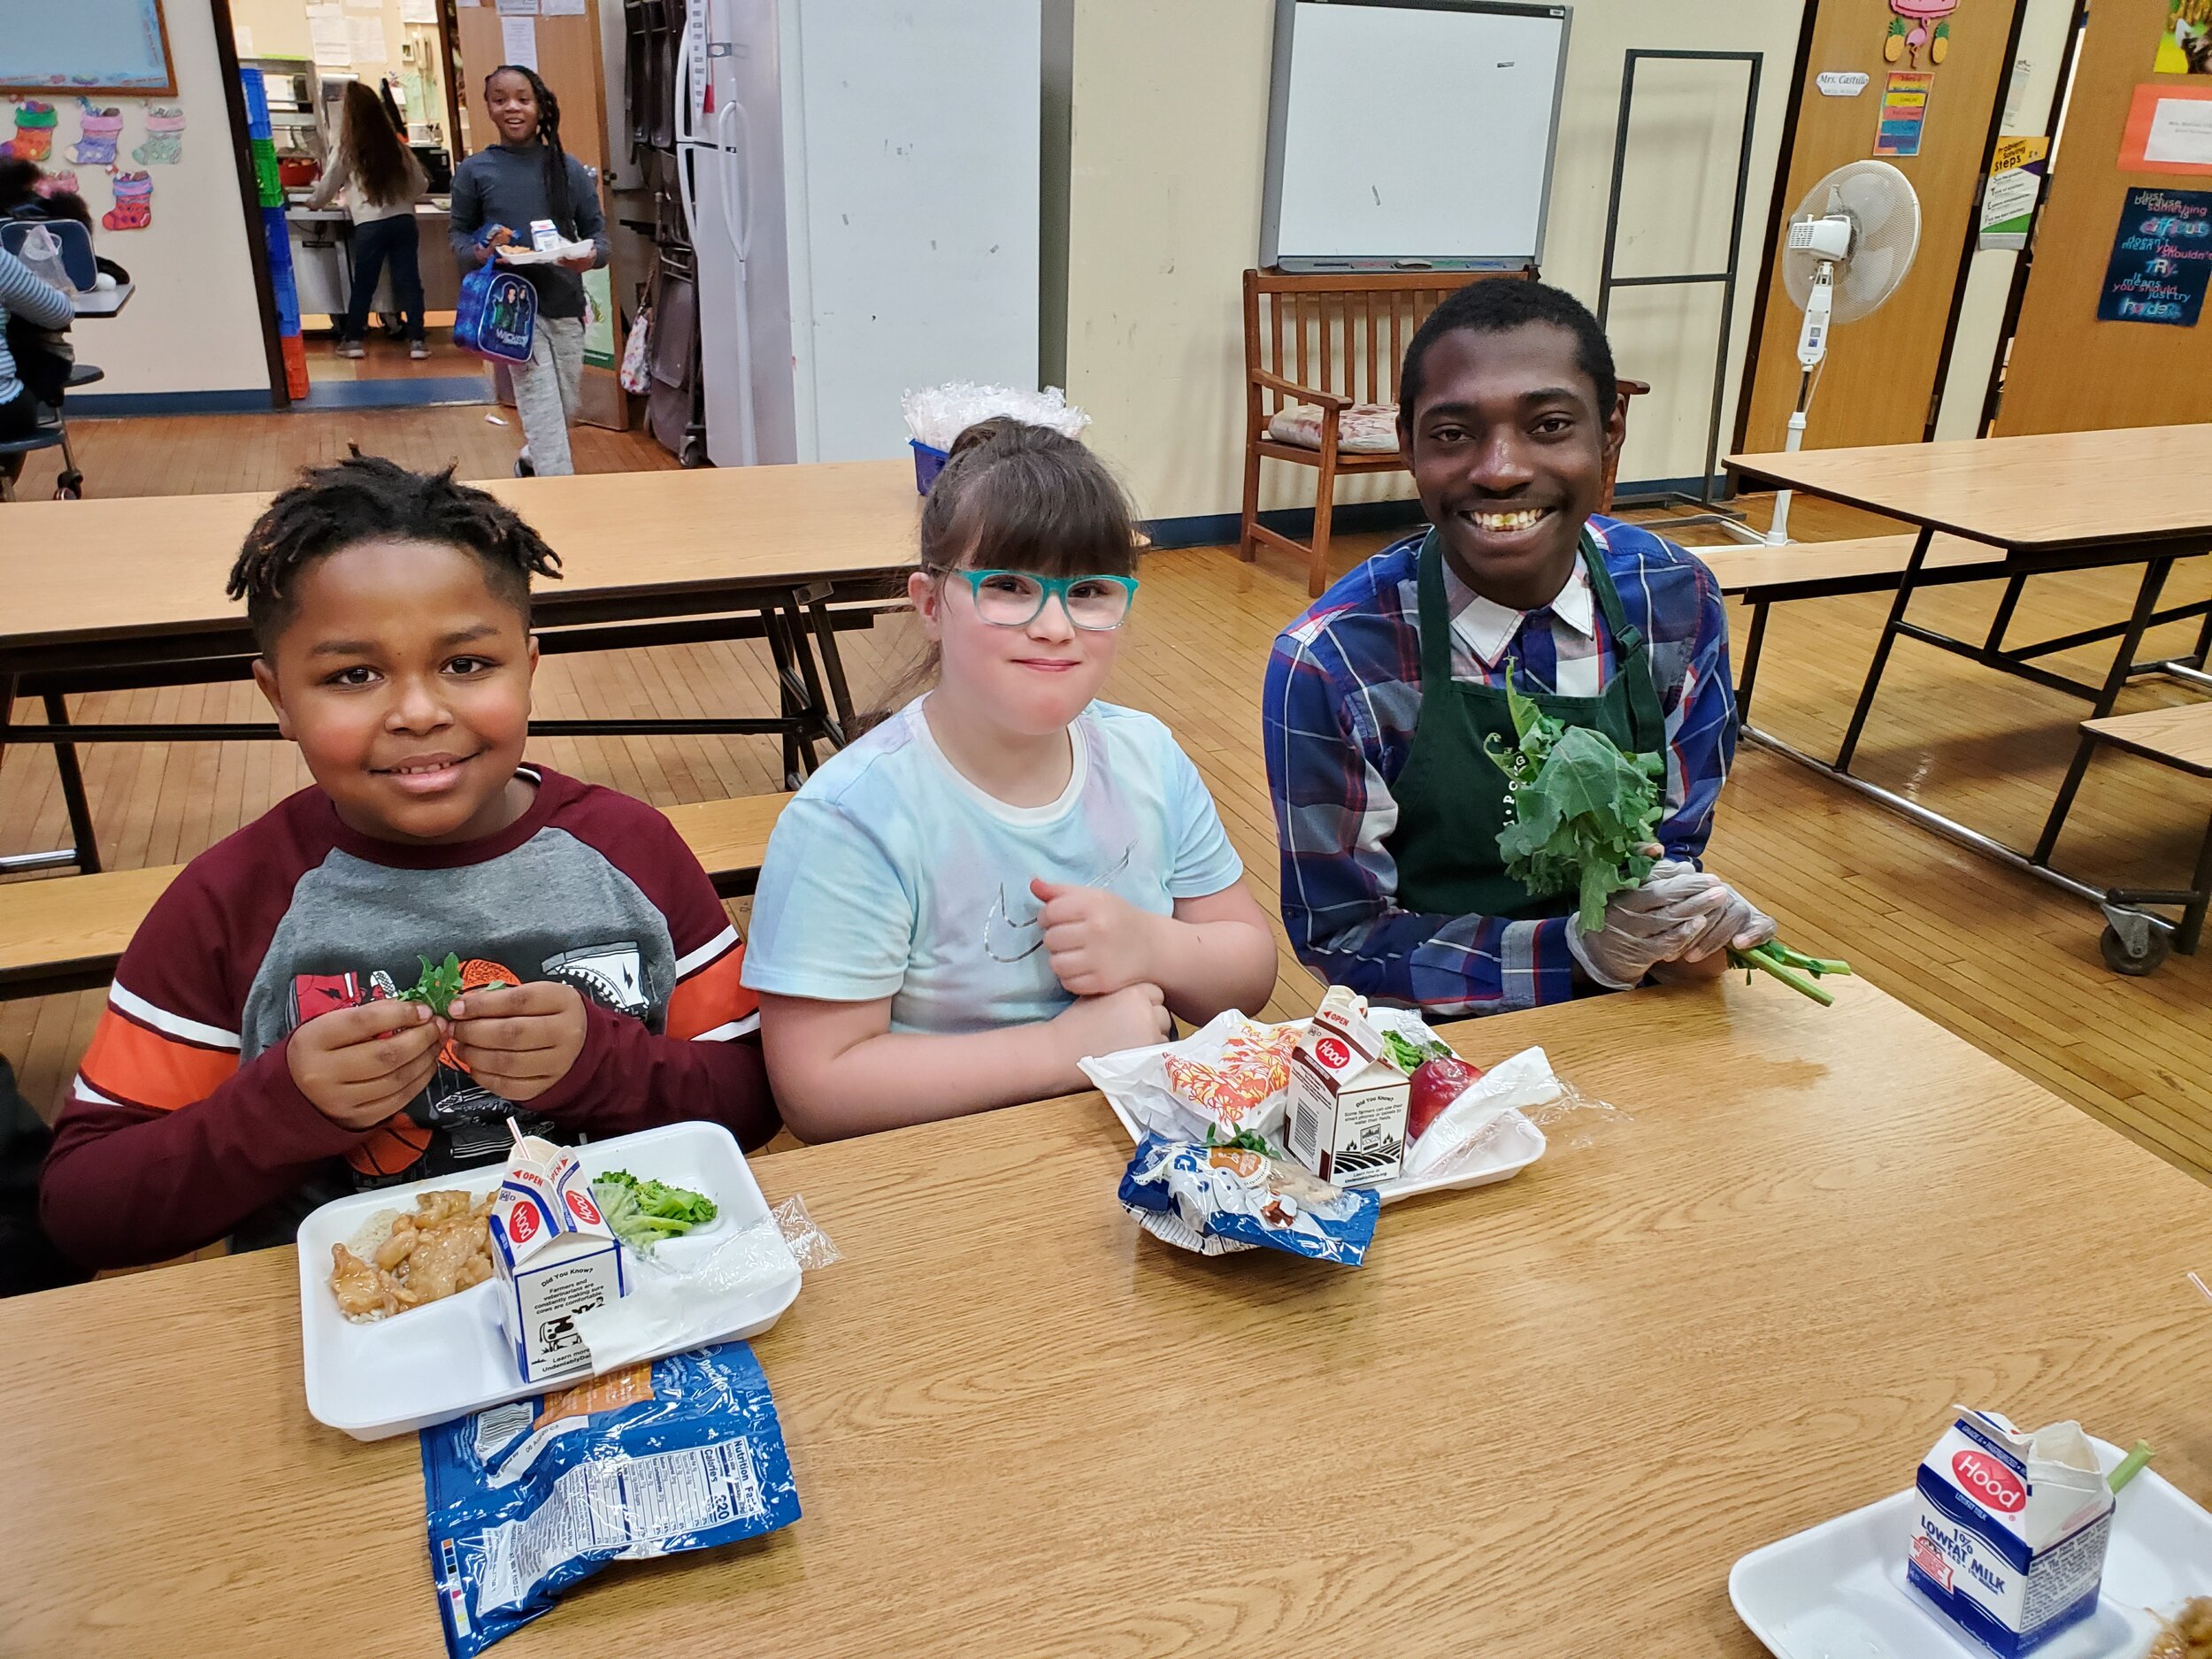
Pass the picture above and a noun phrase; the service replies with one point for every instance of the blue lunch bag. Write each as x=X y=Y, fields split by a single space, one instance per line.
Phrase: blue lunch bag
x=496 y=314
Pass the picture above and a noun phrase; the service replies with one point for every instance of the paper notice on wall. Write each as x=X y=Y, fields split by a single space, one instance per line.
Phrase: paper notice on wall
x=366 y=37
x=2015 y=177
x=242 y=38
x=1904 y=112
x=518 y=42
x=329 y=40
x=519 y=8
x=325 y=9
x=2169 y=130
x=418 y=11
x=561 y=8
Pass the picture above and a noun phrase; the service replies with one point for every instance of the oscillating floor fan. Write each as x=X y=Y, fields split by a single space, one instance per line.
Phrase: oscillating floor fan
x=1850 y=243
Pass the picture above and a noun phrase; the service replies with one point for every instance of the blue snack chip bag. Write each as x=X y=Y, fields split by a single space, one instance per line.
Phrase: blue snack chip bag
x=1217 y=1199
x=528 y=1498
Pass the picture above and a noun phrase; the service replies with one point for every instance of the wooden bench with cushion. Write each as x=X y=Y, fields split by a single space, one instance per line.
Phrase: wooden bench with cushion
x=65 y=932
x=1334 y=343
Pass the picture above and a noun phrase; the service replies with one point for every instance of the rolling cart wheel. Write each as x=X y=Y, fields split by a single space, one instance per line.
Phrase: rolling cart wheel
x=693 y=453
x=2122 y=957
x=69 y=486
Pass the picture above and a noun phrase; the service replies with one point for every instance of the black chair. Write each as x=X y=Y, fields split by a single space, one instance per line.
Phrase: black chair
x=13 y=449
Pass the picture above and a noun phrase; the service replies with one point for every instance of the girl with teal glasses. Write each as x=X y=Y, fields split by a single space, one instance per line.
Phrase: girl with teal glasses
x=1006 y=874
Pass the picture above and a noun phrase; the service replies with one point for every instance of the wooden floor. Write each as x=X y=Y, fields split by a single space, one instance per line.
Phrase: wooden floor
x=2006 y=962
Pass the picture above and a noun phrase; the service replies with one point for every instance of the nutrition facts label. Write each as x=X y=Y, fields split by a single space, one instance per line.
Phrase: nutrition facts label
x=628 y=1504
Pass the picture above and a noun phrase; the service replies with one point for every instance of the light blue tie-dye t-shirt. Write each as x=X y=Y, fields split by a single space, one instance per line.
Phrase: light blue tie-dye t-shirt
x=890 y=874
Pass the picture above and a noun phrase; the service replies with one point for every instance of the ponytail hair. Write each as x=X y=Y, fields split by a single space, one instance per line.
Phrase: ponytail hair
x=558 y=194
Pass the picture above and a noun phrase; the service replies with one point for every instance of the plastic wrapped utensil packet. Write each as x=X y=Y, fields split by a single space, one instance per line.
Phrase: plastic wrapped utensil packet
x=668 y=1288
x=527 y=1498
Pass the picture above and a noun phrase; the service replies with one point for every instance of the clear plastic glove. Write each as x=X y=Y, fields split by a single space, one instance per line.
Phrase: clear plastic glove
x=1640 y=931
x=1722 y=917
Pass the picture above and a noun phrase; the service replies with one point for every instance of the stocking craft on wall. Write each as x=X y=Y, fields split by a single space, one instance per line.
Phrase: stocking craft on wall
x=134 y=208
x=98 y=132
x=164 y=137
x=34 y=139
x=1919 y=27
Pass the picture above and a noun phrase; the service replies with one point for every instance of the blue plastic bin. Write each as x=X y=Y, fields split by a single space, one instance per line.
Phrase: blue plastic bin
x=927 y=463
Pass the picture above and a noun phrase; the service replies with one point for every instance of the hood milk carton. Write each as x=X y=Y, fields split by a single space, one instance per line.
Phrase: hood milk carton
x=555 y=1258
x=1346 y=1116
x=2009 y=1531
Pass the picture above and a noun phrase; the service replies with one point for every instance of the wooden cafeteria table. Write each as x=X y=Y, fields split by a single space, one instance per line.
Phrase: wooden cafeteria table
x=104 y=595
x=1545 y=1418
x=2047 y=503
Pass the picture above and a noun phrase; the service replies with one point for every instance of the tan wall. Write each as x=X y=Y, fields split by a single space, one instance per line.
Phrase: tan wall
x=1170 y=119
x=194 y=323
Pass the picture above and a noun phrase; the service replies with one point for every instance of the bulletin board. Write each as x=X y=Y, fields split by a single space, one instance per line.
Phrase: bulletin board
x=2076 y=364
x=112 y=46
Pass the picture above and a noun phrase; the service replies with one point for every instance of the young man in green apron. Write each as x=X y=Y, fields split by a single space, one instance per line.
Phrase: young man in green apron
x=1382 y=698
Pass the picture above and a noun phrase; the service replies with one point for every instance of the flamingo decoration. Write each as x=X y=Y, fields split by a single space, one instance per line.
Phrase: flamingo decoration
x=1922 y=14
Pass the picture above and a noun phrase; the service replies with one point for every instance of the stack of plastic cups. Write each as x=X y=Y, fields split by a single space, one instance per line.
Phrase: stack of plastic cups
x=275 y=232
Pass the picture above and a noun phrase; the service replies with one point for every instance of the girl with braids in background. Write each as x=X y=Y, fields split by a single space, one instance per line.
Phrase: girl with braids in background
x=251 y=1062
x=496 y=194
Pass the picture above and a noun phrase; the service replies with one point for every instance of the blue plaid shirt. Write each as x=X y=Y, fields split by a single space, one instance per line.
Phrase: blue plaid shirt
x=1342 y=697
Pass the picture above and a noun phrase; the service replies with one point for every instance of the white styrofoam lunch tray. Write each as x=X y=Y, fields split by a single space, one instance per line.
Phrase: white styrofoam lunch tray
x=1513 y=1145
x=435 y=1362
x=1839 y=1588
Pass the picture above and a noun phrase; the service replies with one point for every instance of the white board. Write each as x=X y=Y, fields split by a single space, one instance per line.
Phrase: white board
x=1411 y=133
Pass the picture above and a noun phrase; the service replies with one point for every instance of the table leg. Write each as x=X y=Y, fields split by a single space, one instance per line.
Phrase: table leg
x=2115 y=681
x=816 y=600
x=1905 y=580
x=1751 y=661
x=2190 y=932
x=791 y=693
x=815 y=701
x=2002 y=620
x=81 y=833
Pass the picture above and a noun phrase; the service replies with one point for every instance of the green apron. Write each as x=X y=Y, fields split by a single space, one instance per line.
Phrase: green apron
x=1452 y=795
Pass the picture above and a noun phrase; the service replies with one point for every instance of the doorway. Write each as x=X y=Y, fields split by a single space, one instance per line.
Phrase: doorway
x=307 y=54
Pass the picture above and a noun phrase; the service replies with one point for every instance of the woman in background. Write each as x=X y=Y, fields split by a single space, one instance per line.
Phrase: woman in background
x=382 y=181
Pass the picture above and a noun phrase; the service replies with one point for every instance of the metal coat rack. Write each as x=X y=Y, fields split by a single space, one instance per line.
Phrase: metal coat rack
x=1608 y=281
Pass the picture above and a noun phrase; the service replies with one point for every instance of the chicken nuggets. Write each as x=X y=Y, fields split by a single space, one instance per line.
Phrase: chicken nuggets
x=440 y=1247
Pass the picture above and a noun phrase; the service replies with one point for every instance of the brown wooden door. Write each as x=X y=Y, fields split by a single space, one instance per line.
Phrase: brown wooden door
x=2068 y=371
x=1882 y=373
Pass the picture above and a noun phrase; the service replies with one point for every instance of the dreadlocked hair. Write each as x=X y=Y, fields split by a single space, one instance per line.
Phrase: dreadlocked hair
x=367 y=498
x=557 y=195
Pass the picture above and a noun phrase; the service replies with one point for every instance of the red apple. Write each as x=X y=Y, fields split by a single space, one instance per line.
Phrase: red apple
x=1436 y=1085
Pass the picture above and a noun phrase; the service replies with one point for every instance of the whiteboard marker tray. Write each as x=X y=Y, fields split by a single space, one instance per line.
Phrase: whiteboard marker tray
x=1838 y=1589
x=447 y=1358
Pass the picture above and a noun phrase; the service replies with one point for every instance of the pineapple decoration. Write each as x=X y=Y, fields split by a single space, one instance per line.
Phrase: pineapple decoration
x=1918 y=24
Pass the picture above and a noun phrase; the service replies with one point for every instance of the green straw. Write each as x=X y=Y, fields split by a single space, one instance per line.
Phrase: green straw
x=2129 y=1466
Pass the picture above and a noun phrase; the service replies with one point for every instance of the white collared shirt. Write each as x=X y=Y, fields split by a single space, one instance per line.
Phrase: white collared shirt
x=1483 y=631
